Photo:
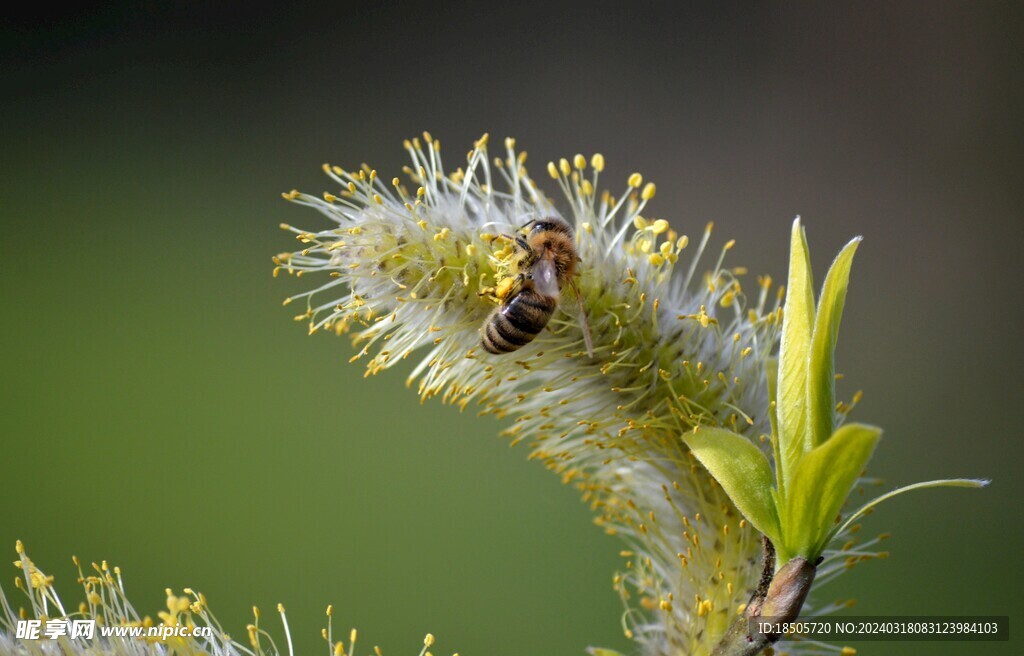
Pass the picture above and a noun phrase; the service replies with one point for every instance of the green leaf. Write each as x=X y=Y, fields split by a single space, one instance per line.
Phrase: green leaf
x=772 y=373
x=743 y=472
x=819 y=488
x=821 y=385
x=797 y=323
x=945 y=482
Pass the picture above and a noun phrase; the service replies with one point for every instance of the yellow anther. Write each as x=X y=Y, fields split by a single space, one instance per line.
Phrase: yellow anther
x=482 y=141
x=659 y=226
x=563 y=166
x=666 y=248
x=428 y=640
x=377 y=199
x=682 y=242
x=656 y=259
x=586 y=188
x=729 y=244
x=636 y=180
x=552 y=170
x=639 y=222
x=648 y=192
x=471 y=250
x=597 y=161
x=579 y=161
x=421 y=192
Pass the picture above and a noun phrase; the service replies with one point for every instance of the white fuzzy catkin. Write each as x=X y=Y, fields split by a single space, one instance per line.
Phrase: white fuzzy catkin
x=672 y=350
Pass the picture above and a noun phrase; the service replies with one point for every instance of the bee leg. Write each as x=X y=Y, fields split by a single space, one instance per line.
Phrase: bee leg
x=518 y=240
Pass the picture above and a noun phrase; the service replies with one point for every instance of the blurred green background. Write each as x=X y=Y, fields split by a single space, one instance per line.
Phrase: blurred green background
x=162 y=411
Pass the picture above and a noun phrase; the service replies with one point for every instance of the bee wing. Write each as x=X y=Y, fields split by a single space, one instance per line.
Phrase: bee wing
x=584 y=324
x=545 y=278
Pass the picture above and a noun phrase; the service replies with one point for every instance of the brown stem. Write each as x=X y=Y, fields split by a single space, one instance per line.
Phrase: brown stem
x=779 y=597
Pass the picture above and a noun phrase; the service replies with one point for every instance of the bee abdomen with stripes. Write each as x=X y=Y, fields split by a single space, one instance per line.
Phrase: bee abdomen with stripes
x=516 y=323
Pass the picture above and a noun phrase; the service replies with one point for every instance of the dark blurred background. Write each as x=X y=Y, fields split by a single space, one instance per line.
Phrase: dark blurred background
x=162 y=411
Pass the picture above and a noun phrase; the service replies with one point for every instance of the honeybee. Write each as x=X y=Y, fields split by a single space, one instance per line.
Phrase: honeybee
x=546 y=260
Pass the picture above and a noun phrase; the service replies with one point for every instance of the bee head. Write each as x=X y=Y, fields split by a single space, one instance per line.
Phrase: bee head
x=549 y=224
